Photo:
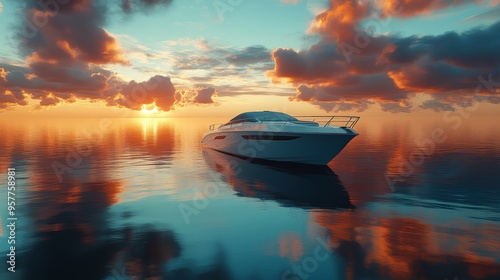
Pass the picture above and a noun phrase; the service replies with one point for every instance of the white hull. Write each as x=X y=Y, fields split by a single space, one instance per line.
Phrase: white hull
x=280 y=142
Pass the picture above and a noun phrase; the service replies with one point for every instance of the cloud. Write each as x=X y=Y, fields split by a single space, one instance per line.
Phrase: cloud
x=204 y=95
x=476 y=48
x=196 y=62
x=72 y=32
x=488 y=16
x=82 y=80
x=402 y=106
x=129 y=6
x=158 y=89
x=10 y=98
x=67 y=51
x=353 y=66
x=411 y=8
x=338 y=21
x=436 y=105
x=249 y=55
x=189 y=55
x=203 y=64
x=50 y=101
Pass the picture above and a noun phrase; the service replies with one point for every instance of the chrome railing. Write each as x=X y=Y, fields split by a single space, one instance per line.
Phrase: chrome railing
x=340 y=121
x=212 y=126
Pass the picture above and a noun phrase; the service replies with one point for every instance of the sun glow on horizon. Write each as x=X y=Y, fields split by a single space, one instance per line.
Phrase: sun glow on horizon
x=149 y=109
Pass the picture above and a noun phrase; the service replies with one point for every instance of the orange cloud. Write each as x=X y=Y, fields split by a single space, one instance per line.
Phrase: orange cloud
x=411 y=8
x=65 y=55
x=338 y=21
x=350 y=67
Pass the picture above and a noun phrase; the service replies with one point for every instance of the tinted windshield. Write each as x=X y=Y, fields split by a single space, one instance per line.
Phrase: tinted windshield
x=264 y=116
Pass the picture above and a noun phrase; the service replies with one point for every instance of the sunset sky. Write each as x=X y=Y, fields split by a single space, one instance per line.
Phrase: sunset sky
x=218 y=58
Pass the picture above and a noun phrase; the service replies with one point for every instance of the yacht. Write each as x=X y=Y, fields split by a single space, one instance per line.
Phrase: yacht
x=276 y=136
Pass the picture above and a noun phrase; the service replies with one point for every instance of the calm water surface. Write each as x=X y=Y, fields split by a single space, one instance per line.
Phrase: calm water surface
x=118 y=199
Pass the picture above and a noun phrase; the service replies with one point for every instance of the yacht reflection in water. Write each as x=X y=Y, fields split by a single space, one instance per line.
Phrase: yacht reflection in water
x=290 y=184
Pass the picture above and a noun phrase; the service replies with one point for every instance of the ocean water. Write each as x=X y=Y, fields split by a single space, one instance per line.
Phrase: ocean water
x=140 y=199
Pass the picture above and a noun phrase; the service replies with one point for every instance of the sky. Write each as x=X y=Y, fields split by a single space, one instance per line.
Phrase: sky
x=198 y=58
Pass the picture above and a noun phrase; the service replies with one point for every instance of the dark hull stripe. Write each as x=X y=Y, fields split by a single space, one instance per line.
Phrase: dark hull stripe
x=270 y=137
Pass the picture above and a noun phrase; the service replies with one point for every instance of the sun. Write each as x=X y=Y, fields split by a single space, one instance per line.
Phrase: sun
x=149 y=109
